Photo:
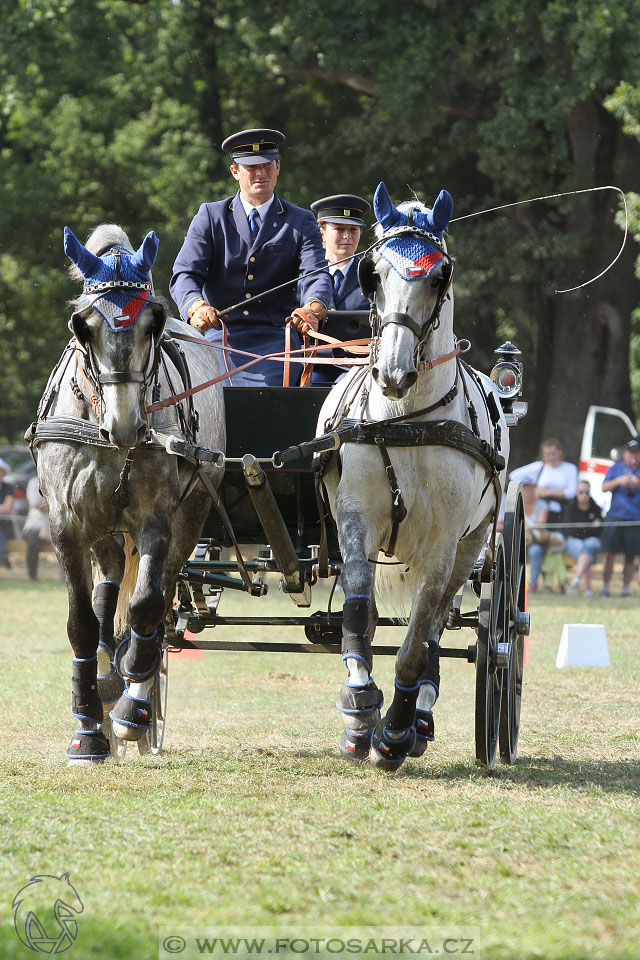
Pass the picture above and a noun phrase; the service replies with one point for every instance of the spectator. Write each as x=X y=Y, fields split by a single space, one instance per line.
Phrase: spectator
x=556 y=479
x=622 y=480
x=36 y=529
x=581 y=542
x=6 y=510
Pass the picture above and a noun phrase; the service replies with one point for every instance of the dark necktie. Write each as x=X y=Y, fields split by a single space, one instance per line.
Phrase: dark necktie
x=337 y=280
x=254 y=223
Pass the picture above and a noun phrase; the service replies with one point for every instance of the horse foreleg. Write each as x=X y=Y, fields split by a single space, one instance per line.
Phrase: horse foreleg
x=88 y=744
x=359 y=699
x=139 y=656
x=408 y=725
x=109 y=560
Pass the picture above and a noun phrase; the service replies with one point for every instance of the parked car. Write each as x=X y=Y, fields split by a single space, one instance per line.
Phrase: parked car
x=606 y=430
x=23 y=468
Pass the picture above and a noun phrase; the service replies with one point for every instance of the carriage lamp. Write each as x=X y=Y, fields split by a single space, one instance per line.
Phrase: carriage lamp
x=507 y=376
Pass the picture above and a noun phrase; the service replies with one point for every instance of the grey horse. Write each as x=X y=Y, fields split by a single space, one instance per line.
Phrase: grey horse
x=426 y=504
x=125 y=514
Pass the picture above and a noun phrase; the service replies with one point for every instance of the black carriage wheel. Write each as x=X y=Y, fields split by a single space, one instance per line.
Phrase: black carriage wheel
x=516 y=567
x=492 y=631
x=151 y=742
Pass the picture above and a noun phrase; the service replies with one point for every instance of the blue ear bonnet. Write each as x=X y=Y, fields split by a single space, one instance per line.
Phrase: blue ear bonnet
x=412 y=256
x=118 y=284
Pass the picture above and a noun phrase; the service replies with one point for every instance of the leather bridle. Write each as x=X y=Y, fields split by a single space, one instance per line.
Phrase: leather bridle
x=367 y=273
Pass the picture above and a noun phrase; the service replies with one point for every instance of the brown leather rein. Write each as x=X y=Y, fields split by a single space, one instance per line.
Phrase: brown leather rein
x=288 y=357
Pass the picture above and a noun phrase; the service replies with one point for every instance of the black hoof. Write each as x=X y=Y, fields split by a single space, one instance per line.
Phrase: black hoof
x=362 y=703
x=131 y=718
x=87 y=747
x=425 y=732
x=387 y=752
x=355 y=746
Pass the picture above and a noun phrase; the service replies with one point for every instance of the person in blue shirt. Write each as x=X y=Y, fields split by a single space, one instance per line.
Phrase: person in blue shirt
x=239 y=248
x=341 y=219
x=622 y=480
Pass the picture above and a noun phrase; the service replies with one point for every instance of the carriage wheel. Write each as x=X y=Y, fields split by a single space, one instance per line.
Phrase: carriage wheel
x=151 y=742
x=492 y=635
x=518 y=622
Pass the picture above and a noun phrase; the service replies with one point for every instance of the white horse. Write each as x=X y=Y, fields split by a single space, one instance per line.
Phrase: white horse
x=419 y=490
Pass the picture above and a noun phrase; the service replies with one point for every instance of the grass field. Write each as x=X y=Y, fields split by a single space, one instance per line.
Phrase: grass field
x=250 y=818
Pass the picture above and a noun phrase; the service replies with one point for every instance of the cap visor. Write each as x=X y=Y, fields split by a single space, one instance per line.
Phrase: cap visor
x=252 y=159
x=355 y=223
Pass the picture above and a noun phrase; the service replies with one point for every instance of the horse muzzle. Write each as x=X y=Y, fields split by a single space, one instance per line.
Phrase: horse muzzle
x=396 y=387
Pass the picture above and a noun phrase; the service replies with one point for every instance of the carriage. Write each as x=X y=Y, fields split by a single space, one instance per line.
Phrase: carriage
x=280 y=532
x=294 y=459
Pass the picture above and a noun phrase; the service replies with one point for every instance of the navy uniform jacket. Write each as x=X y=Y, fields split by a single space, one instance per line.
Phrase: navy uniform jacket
x=350 y=297
x=220 y=263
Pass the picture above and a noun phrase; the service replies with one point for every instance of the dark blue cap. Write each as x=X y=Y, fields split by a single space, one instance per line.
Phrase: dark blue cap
x=341 y=208
x=254 y=146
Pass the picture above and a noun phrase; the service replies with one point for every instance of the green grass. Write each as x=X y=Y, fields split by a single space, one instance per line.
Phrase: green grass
x=251 y=819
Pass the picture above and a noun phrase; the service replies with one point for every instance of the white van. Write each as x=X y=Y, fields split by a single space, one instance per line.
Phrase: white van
x=606 y=430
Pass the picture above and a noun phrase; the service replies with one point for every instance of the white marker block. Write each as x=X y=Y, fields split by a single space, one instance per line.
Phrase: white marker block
x=583 y=645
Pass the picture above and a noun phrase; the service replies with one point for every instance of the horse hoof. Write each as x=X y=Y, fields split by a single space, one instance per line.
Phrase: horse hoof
x=361 y=703
x=87 y=748
x=110 y=688
x=389 y=752
x=355 y=746
x=425 y=732
x=131 y=718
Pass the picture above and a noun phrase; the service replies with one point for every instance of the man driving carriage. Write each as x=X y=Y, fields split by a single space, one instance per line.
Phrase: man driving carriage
x=341 y=219
x=244 y=245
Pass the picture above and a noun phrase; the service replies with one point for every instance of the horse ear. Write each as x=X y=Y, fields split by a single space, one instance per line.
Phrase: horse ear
x=386 y=214
x=440 y=214
x=86 y=262
x=145 y=256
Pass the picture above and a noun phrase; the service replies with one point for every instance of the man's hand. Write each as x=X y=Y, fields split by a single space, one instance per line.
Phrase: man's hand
x=307 y=319
x=203 y=316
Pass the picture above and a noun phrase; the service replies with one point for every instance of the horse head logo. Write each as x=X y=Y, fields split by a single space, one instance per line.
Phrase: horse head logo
x=44 y=913
x=117 y=284
x=412 y=256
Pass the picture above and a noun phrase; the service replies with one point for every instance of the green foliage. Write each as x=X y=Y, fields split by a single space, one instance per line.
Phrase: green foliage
x=114 y=111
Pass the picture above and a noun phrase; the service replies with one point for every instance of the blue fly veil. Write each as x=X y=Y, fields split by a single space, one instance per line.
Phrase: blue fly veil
x=117 y=281
x=414 y=254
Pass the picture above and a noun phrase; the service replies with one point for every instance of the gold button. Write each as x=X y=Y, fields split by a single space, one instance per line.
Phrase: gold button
x=250 y=276
x=246 y=313
x=252 y=259
x=247 y=296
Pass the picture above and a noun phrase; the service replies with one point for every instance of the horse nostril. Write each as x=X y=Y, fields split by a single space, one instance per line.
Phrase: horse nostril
x=375 y=373
x=104 y=435
x=410 y=378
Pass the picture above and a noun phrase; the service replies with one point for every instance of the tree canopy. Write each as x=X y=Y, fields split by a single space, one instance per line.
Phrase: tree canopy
x=114 y=111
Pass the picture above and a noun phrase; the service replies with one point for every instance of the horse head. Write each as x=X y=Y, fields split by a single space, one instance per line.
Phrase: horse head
x=114 y=330
x=411 y=248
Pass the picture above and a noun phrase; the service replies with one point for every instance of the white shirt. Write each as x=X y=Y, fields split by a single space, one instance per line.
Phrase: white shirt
x=262 y=209
x=564 y=478
x=342 y=267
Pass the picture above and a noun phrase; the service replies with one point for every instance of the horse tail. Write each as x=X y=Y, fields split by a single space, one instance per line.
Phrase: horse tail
x=128 y=585
x=394 y=588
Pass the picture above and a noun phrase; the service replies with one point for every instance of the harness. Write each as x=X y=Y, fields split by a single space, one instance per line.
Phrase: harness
x=398 y=431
